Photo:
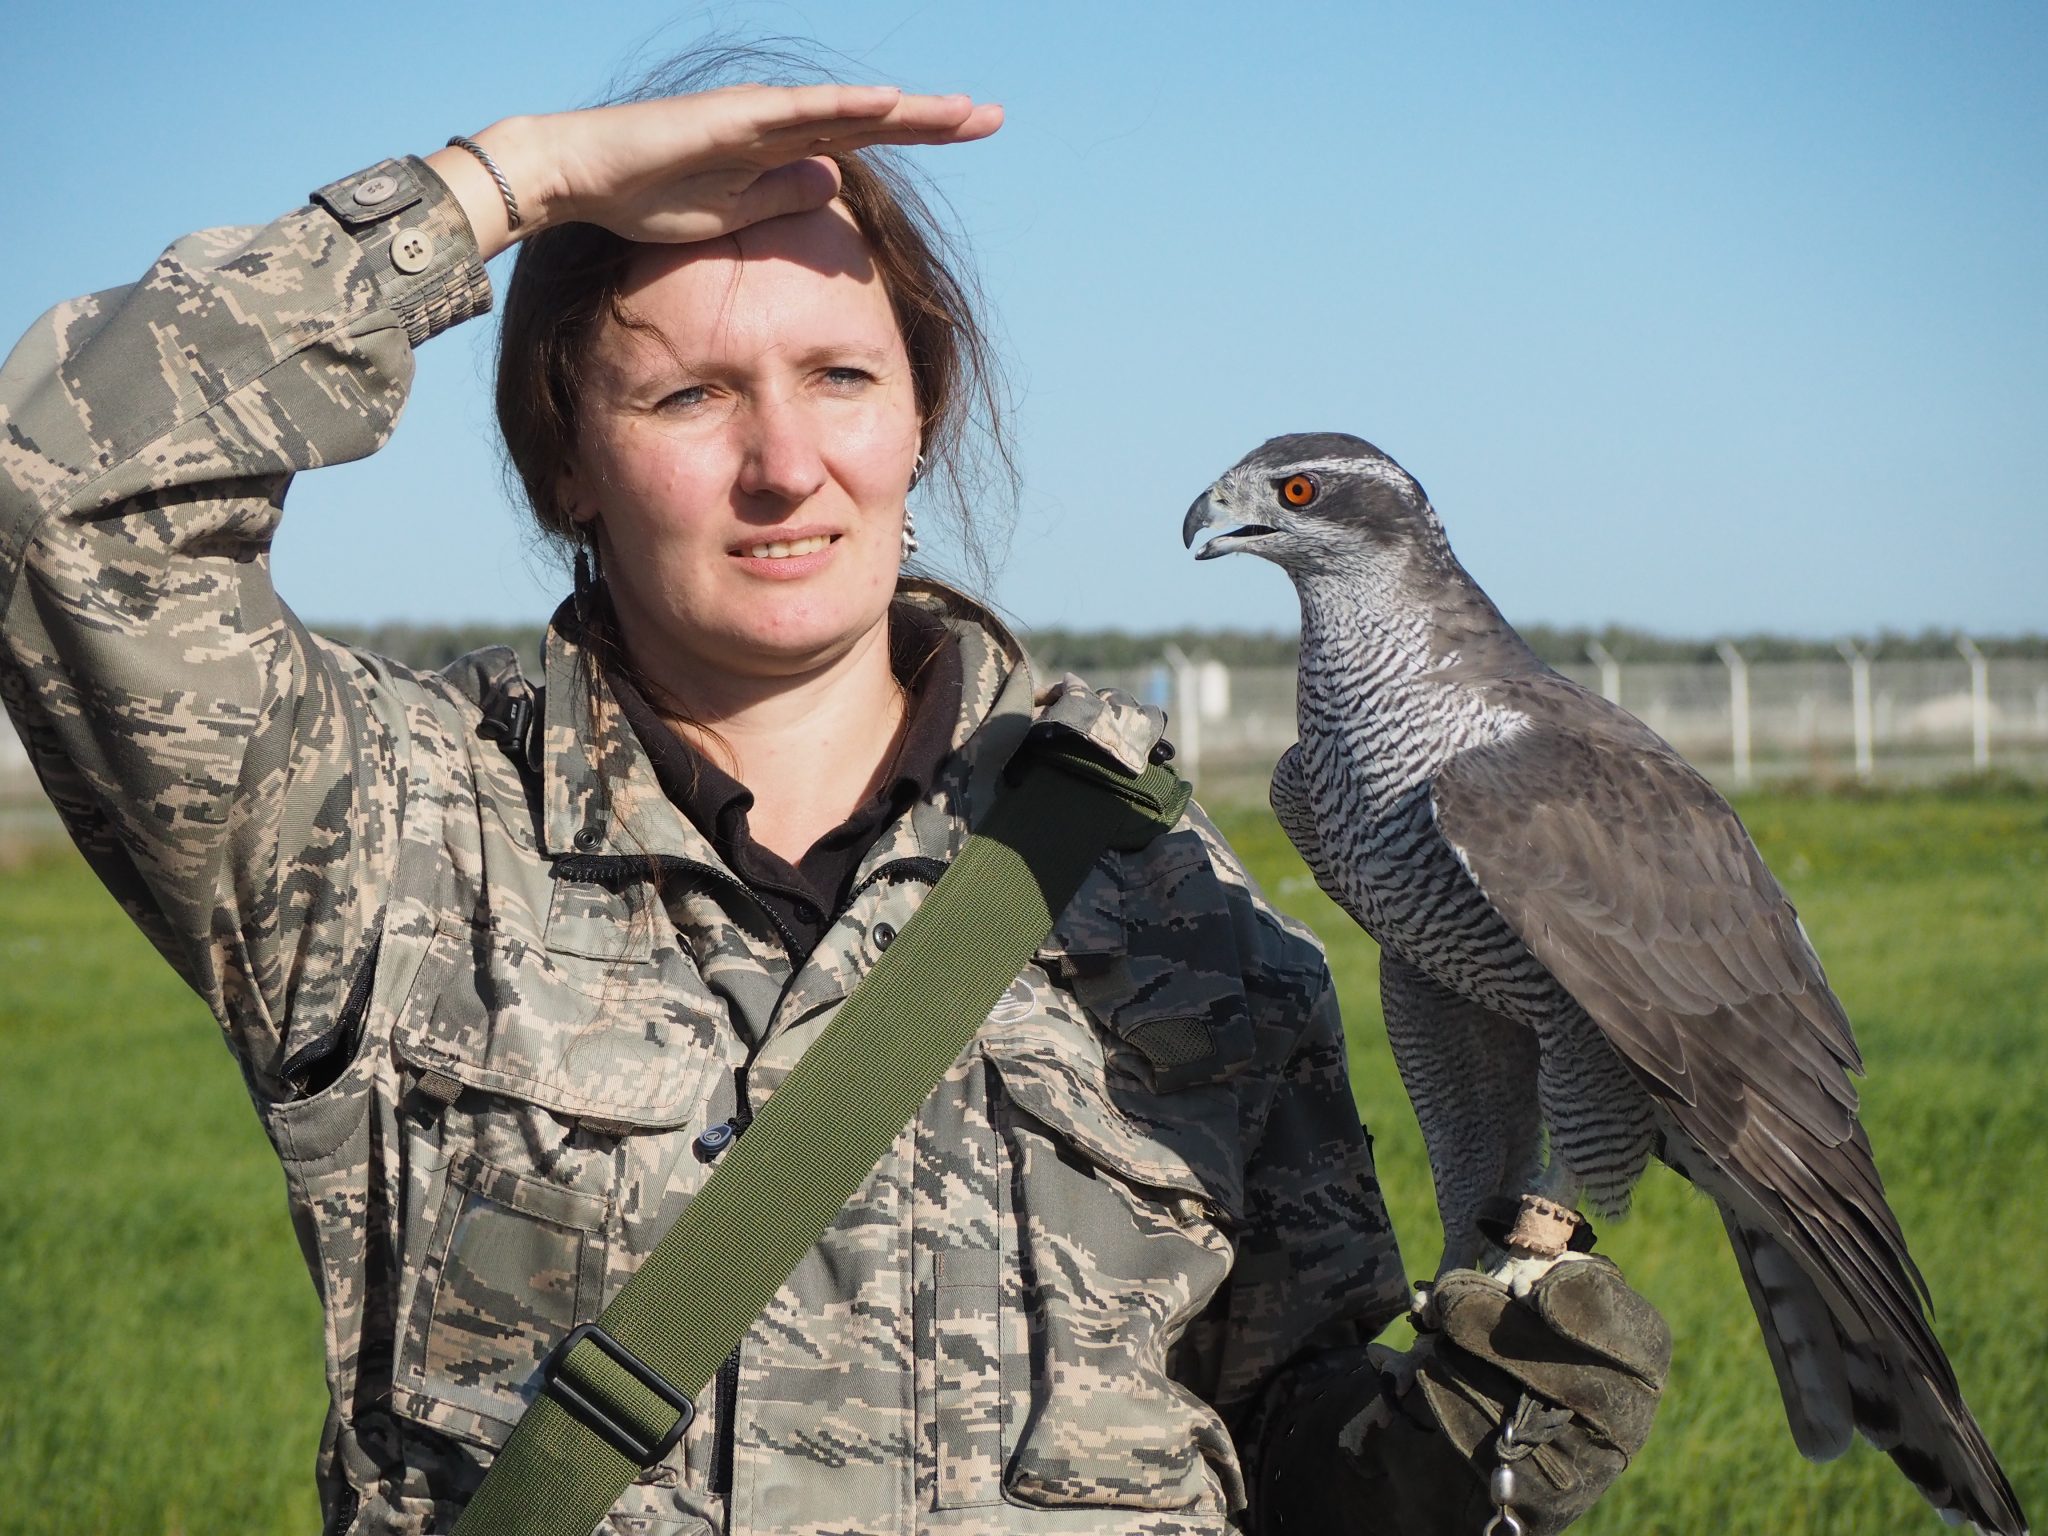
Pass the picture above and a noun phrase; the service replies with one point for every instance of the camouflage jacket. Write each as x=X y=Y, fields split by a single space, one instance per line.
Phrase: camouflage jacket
x=487 y=986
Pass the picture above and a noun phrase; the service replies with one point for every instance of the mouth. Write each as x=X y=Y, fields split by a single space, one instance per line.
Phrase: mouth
x=794 y=554
x=787 y=549
x=1209 y=511
x=1230 y=543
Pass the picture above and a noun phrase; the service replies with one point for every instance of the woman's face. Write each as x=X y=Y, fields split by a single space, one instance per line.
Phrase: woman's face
x=746 y=456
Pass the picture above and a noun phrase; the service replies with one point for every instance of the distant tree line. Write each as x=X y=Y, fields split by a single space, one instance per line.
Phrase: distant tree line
x=1096 y=650
x=1093 y=650
x=433 y=646
x=1083 y=650
x=1557 y=644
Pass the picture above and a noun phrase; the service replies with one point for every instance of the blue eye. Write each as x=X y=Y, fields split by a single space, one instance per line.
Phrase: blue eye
x=689 y=394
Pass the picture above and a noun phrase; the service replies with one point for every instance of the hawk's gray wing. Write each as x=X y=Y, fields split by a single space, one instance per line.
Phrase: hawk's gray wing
x=1637 y=887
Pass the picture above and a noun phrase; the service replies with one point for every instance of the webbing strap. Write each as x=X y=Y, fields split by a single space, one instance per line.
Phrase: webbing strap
x=820 y=1134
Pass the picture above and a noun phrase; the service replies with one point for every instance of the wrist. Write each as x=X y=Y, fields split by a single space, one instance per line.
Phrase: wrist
x=517 y=149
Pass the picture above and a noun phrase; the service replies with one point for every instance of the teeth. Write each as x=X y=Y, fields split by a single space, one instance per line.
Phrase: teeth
x=785 y=551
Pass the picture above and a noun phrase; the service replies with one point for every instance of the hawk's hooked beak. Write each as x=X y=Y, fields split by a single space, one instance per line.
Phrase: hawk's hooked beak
x=1212 y=511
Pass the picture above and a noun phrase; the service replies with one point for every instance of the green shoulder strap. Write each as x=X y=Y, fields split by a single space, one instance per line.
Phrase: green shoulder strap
x=617 y=1393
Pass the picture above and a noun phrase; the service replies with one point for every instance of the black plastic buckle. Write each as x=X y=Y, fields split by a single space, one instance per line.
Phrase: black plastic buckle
x=622 y=1438
x=513 y=719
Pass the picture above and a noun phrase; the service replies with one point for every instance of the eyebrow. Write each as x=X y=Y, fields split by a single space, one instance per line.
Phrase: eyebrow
x=664 y=358
x=842 y=349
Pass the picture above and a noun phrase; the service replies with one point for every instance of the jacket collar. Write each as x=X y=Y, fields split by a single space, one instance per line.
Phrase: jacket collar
x=601 y=796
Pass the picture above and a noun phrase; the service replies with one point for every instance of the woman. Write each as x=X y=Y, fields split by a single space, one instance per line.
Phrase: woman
x=506 y=968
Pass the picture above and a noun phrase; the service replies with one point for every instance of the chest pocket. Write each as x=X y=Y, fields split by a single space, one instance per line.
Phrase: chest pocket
x=1114 y=1214
x=535 y=1073
x=1116 y=1176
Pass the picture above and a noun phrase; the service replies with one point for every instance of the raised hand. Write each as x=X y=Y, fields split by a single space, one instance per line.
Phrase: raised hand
x=683 y=168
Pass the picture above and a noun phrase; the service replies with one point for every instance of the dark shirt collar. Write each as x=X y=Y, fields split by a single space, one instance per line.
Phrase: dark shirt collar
x=925 y=657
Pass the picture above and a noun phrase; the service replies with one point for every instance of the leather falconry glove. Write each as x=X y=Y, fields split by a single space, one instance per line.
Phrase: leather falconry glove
x=1573 y=1370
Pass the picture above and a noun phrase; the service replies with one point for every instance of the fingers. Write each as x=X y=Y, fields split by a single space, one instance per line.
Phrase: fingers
x=770 y=107
x=794 y=188
x=984 y=121
x=831 y=109
x=650 y=169
x=957 y=121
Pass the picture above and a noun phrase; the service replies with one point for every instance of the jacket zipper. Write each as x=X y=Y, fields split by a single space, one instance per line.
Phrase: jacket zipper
x=597 y=868
x=345 y=1509
x=894 y=869
x=727 y=1386
x=347 y=1023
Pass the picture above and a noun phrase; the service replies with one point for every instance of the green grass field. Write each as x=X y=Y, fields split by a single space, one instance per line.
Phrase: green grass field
x=159 y=1341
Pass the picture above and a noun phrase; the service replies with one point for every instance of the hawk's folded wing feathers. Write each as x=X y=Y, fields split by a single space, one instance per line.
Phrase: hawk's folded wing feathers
x=1638 y=888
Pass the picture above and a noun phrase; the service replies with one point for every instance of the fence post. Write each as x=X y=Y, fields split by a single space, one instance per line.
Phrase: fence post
x=1610 y=671
x=1738 y=707
x=1859 y=704
x=1187 y=712
x=1980 y=703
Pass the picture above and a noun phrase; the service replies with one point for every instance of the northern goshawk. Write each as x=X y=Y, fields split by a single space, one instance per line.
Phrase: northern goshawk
x=1581 y=947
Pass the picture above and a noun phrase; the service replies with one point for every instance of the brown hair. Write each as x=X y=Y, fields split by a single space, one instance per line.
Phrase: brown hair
x=568 y=280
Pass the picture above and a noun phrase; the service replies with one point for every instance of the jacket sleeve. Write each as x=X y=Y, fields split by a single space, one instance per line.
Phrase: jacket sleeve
x=236 y=782
x=1318 y=1277
x=1316 y=1271
x=1317 y=1265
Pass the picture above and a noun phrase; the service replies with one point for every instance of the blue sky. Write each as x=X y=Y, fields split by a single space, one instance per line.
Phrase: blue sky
x=1713 y=318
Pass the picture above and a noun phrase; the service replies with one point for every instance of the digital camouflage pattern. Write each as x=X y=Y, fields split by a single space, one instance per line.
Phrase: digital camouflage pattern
x=485 y=1000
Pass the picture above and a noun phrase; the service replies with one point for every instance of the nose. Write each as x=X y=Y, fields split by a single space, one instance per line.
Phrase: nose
x=780 y=458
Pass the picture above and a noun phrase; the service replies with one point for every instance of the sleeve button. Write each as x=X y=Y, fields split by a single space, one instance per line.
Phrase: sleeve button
x=378 y=189
x=412 y=250
x=586 y=838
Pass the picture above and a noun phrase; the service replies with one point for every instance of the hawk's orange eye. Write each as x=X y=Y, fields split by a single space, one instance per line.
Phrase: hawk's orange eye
x=1299 y=490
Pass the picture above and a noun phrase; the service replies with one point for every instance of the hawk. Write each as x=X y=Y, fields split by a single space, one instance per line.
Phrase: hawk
x=1581 y=949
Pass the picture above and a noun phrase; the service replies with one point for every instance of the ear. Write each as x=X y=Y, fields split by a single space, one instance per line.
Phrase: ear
x=571 y=495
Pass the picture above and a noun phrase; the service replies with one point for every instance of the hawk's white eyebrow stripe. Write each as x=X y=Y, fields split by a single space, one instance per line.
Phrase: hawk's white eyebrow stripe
x=1377 y=469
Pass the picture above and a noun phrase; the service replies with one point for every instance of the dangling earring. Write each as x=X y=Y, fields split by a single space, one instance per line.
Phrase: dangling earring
x=587 y=575
x=909 y=517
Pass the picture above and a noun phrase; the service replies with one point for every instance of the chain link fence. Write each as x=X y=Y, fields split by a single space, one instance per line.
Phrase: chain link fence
x=1911 y=722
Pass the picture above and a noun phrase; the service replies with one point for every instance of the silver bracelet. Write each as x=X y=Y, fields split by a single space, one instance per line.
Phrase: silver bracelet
x=504 y=186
